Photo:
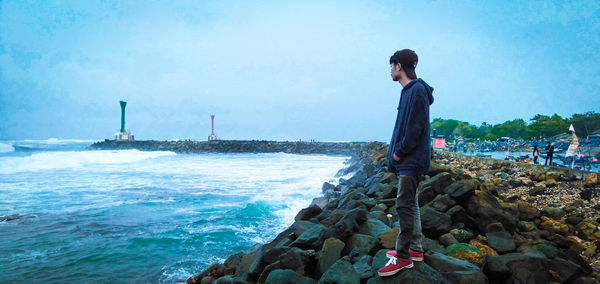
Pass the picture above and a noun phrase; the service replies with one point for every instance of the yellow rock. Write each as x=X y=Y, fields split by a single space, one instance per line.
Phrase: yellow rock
x=485 y=250
x=553 y=225
x=591 y=180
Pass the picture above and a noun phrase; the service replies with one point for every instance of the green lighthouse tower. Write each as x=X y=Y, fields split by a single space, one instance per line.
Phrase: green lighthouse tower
x=123 y=135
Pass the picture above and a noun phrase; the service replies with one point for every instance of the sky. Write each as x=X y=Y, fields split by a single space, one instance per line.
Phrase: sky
x=286 y=70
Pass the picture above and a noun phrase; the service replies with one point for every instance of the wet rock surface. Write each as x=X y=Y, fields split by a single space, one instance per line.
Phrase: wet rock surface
x=480 y=225
x=233 y=146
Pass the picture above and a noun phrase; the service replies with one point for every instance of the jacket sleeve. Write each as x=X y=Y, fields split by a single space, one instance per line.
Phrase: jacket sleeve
x=416 y=123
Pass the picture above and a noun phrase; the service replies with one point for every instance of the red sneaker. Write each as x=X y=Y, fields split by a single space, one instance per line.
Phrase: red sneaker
x=414 y=255
x=394 y=265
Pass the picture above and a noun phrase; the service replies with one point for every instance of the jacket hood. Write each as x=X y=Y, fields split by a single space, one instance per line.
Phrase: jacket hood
x=428 y=88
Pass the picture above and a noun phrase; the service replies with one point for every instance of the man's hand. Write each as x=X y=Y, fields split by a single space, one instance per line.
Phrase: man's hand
x=396 y=158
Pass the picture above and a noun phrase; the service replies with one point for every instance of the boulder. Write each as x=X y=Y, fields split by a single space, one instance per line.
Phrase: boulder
x=553 y=225
x=327 y=187
x=500 y=241
x=548 y=250
x=421 y=273
x=341 y=271
x=331 y=252
x=504 y=267
x=309 y=237
x=224 y=280
x=486 y=209
x=373 y=227
x=485 y=250
x=442 y=202
x=465 y=252
x=588 y=229
x=287 y=276
x=433 y=245
x=363 y=267
x=342 y=230
x=434 y=223
x=309 y=212
x=448 y=239
x=461 y=235
x=379 y=215
x=429 y=188
x=591 y=180
x=361 y=243
x=538 y=174
x=577 y=259
x=527 y=212
x=388 y=238
x=553 y=212
x=458 y=214
x=455 y=270
x=462 y=189
x=295 y=259
x=386 y=191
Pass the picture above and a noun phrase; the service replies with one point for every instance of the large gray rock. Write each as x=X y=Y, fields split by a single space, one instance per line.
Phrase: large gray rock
x=308 y=212
x=500 y=241
x=341 y=272
x=462 y=189
x=429 y=188
x=363 y=267
x=295 y=259
x=373 y=227
x=434 y=223
x=421 y=273
x=442 y=202
x=528 y=267
x=461 y=235
x=486 y=209
x=309 y=237
x=288 y=276
x=455 y=270
x=331 y=252
x=567 y=270
x=361 y=243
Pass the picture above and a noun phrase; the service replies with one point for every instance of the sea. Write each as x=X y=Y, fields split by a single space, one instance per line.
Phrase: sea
x=72 y=215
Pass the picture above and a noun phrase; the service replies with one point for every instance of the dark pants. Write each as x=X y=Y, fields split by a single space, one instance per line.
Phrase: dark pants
x=535 y=160
x=409 y=216
x=548 y=156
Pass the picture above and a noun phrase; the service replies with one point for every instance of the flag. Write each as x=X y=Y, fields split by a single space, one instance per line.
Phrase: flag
x=573 y=146
x=571 y=128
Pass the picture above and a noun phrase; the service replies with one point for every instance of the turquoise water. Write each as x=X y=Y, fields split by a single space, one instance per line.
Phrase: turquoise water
x=129 y=216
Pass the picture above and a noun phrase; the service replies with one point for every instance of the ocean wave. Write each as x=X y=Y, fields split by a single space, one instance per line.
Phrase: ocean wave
x=5 y=148
x=58 y=141
x=75 y=159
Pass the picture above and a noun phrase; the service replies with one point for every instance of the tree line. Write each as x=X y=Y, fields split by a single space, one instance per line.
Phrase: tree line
x=539 y=125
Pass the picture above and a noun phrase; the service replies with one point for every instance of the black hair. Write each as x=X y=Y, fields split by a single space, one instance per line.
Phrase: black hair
x=395 y=58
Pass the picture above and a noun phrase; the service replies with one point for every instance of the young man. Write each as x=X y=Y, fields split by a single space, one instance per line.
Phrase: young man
x=408 y=156
x=549 y=154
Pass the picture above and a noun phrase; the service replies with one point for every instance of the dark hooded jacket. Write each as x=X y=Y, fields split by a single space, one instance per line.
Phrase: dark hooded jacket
x=410 y=140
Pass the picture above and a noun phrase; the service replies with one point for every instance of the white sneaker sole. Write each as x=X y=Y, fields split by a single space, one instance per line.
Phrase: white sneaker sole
x=412 y=258
x=395 y=271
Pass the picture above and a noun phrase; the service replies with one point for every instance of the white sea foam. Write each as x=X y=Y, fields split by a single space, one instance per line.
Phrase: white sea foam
x=5 y=148
x=59 y=141
x=63 y=160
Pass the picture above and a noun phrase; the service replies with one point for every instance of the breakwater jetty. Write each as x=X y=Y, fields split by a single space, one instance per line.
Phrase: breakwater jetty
x=234 y=146
x=484 y=221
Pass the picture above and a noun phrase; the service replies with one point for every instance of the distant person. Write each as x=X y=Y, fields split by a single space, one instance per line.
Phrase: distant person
x=408 y=156
x=550 y=149
x=536 y=154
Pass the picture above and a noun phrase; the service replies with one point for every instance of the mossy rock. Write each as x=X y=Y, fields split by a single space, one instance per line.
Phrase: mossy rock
x=466 y=252
x=548 y=250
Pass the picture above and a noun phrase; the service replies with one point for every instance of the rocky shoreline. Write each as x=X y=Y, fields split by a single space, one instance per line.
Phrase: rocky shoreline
x=484 y=221
x=234 y=146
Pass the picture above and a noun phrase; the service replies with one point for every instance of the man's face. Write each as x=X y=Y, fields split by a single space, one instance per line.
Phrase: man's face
x=395 y=72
